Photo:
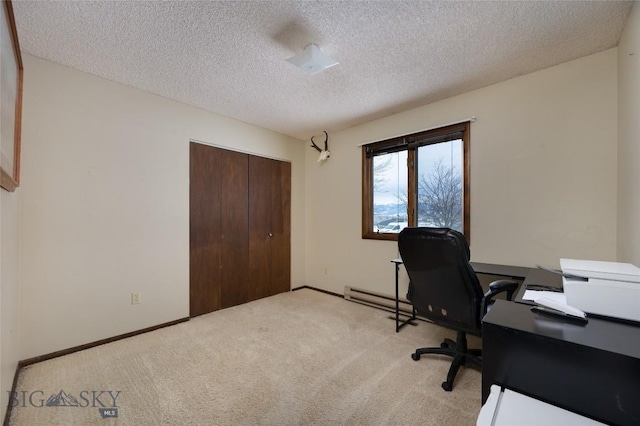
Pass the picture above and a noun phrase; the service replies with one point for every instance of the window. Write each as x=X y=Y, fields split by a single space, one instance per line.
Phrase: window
x=420 y=179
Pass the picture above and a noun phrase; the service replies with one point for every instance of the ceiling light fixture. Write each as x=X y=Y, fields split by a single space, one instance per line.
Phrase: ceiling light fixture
x=311 y=60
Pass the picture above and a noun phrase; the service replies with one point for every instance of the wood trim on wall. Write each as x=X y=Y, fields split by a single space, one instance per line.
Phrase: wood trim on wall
x=34 y=360
x=319 y=290
x=7 y=414
x=68 y=351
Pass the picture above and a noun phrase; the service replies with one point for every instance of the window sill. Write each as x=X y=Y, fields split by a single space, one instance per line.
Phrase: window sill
x=380 y=236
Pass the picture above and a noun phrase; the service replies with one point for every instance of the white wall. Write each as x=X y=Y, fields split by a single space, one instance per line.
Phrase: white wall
x=9 y=293
x=105 y=204
x=629 y=140
x=543 y=176
x=104 y=194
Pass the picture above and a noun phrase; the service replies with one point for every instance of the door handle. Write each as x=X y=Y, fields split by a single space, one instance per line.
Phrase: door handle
x=270 y=234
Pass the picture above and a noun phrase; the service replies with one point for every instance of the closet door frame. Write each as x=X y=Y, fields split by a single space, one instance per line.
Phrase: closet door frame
x=245 y=254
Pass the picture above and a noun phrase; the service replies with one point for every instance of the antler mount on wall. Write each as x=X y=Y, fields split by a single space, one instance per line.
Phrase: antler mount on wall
x=324 y=153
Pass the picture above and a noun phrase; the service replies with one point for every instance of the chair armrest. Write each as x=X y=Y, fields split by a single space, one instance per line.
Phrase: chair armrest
x=510 y=286
x=497 y=287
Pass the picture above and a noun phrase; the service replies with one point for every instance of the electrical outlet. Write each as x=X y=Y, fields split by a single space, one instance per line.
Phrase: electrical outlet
x=135 y=298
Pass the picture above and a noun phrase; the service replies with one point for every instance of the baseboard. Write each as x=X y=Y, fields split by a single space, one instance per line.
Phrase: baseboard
x=63 y=352
x=377 y=300
x=7 y=414
x=34 y=360
x=341 y=296
x=405 y=310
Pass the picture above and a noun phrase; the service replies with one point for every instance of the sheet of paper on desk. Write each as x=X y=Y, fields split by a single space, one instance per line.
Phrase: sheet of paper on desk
x=553 y=295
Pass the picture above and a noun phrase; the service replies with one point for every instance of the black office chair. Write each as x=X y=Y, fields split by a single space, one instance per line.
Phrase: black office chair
x=444 y=288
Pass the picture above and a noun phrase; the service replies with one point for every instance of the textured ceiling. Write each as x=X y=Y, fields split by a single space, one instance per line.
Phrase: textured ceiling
x=229 y=57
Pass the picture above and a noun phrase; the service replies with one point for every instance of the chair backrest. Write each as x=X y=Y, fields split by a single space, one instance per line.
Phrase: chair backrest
x=443 y=286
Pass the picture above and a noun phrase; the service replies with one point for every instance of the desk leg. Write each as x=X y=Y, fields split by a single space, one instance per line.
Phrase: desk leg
x=400 y=324
x=397 y=300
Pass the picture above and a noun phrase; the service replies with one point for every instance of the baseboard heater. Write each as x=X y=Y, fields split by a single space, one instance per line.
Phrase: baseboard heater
x=377 y=300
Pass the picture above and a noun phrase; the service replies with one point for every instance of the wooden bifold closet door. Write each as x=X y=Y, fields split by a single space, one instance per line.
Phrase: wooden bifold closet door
x=269 y=229
x=240 y=237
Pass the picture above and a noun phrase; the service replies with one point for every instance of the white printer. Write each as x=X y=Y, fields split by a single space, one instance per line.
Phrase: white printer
x=611 y=289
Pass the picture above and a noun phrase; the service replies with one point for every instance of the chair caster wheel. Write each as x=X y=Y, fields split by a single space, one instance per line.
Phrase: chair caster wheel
x=447 y=386
x=415 y=356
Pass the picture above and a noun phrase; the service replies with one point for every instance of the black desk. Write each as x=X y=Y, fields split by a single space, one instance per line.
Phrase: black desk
x=593 y=370
x=506 y=271
x=540 y=277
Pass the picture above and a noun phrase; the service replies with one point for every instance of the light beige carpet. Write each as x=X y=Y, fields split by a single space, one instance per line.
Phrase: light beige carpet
x=298 y=358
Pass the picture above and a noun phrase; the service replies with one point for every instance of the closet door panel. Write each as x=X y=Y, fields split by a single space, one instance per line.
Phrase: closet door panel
x=260 y=234
x=281 y=227
x=204 y=230
x=234 y=237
